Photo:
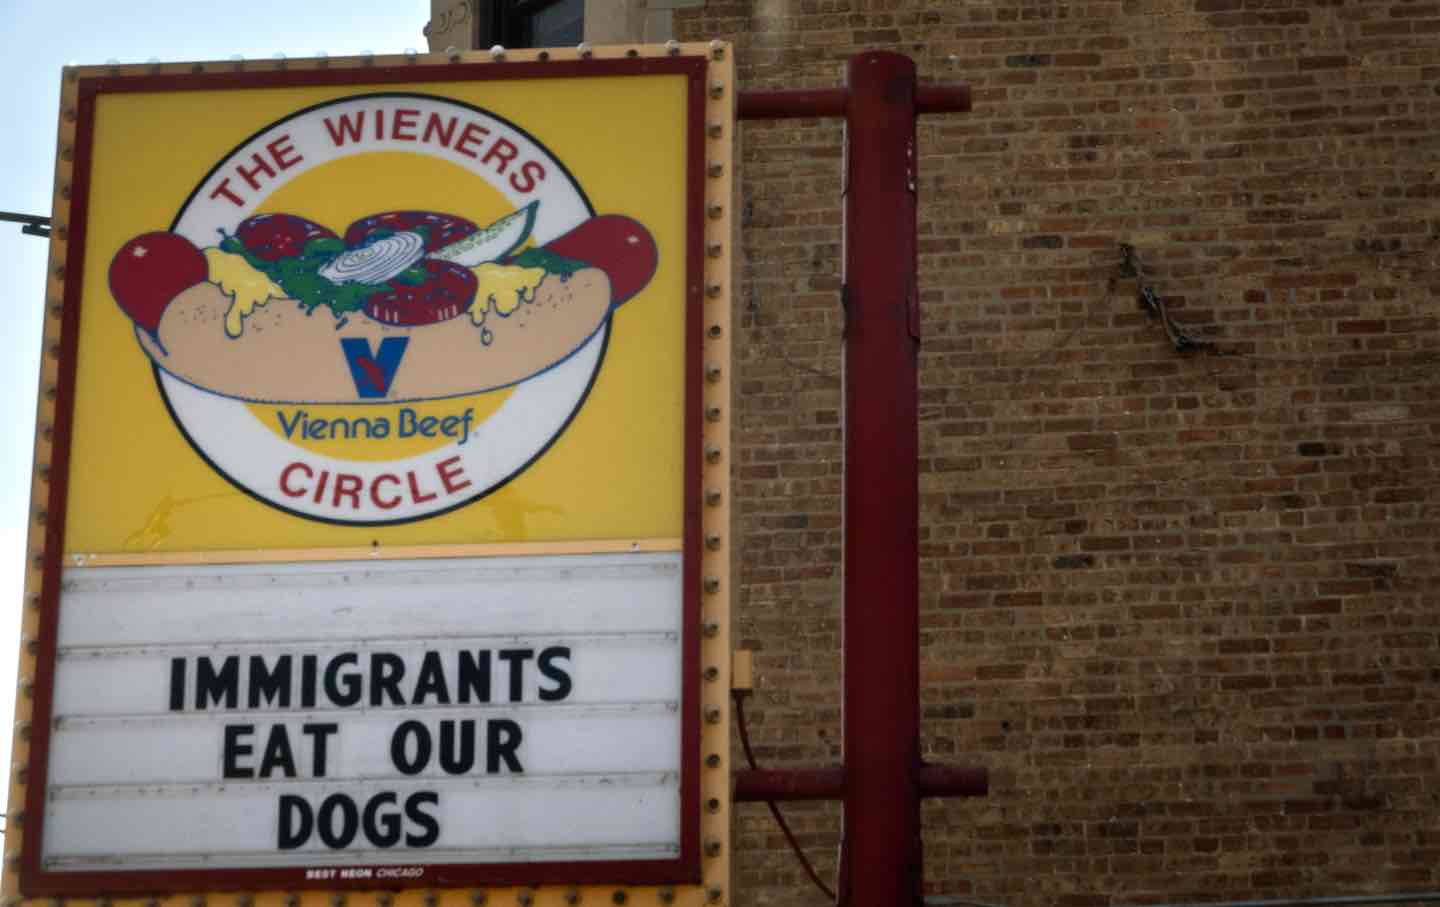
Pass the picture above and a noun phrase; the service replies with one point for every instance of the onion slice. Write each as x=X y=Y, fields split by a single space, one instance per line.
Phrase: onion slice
x=375 y=262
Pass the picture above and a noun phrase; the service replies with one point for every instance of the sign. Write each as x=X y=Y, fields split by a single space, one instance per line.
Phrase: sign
x=387 y=418
x=513 y=708
x=427 y=310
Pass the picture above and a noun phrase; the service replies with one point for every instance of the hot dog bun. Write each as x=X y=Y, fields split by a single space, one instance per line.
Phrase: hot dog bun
x=283 y=351
x=286 y=355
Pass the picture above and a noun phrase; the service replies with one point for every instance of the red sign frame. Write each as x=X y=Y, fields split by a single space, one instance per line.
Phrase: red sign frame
x=35 y=881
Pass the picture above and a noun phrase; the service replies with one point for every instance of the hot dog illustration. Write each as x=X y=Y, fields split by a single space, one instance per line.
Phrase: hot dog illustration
x=405 y=305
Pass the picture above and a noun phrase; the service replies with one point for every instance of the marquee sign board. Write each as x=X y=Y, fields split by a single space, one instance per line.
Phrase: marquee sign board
x=384 y=420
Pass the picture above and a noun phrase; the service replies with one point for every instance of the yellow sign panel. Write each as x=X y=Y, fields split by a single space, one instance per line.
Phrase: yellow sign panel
x=376 y=431
x=465 y=317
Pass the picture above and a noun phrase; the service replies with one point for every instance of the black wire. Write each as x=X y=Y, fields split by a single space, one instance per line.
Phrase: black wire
x=1146 y=297
x=1179 y=338
x=739 y=698
x=1183 y=341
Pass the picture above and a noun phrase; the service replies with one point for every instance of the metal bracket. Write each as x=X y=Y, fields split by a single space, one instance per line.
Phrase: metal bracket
x=31 y=224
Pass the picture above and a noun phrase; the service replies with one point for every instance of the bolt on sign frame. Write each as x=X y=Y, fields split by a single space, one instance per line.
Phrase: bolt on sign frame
x=397 y=559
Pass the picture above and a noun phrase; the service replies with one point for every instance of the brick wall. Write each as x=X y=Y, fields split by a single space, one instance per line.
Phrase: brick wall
x=1184 y=606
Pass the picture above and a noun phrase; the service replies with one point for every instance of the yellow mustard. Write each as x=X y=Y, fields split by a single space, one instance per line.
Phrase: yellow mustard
x=246 y=287
x=503 y=287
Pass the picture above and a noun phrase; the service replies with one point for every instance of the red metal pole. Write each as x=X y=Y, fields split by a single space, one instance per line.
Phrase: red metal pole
x=787 y=784
x=953 y=781
x=882 y=577
x=781 y=105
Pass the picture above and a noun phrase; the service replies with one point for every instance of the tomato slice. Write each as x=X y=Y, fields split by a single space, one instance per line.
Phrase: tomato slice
x=271 y=237
x=447 y=291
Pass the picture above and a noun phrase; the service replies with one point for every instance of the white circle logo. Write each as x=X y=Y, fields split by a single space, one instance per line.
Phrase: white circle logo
x=381 y=308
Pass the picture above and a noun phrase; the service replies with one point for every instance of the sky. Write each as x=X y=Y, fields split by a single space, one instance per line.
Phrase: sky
x=37 y=39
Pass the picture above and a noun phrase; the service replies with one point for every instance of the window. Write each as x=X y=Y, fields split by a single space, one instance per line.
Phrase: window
x=481 y=24
x=532 y=23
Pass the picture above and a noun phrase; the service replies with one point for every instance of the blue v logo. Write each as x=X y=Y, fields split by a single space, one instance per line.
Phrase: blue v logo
x=373 y=371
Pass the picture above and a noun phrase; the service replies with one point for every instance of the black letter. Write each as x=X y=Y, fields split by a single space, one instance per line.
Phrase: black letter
x=388 y=836
x=517 y=659
x=319 y=733
x=290 y=836
x=431 y=681
x=386 y=669
x=307 y=681
x=422 y=818
x=557 y=674
x=452 y=764
x=351 y=694
x=234 y=749
x=177 y=684
x=272 y=685
x=212 y=685
x=497 y=749
x=475 y=675
x=350 y=818
x=422 y=747
x=278 y=754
